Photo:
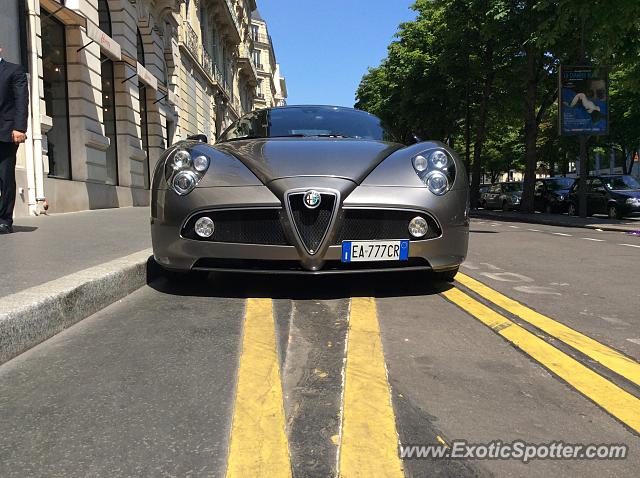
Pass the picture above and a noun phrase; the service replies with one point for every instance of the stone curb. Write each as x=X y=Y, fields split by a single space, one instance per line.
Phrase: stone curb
x=550 y=222
x=36 y=314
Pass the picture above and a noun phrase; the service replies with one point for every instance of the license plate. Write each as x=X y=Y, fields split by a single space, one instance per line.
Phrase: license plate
x=365 y=251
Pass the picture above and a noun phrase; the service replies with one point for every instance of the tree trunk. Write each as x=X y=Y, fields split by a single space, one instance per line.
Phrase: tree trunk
x=628 y=162
x=530 y=129
x=467 y=132
x=481 y=127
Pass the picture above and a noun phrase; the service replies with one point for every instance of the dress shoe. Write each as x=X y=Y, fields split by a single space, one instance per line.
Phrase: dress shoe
x=5 y=229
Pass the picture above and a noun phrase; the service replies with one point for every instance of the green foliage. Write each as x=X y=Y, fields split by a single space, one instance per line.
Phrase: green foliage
x=433 y=81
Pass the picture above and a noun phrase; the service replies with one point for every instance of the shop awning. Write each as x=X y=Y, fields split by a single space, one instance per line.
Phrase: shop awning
x=63 y=11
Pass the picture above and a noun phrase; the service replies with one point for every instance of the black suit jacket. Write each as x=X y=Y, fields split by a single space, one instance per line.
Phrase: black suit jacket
x=14 y=100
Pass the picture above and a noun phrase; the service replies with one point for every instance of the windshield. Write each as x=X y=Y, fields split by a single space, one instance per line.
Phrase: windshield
x=512 y=187
x=617 y=183
x=560 y=183
x=307 y=121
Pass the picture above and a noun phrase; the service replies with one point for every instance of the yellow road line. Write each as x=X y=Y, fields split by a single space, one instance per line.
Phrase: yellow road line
x=369 y=445
x=610 y=358
x=619 y=403
x=258 y=443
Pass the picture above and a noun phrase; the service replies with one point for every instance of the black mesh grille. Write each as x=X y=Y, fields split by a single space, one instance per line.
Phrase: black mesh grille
x=380 y=224
x=312 y=224
x=245 y=226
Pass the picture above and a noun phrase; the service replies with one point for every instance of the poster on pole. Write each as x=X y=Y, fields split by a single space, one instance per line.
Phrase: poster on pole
x=583 y=101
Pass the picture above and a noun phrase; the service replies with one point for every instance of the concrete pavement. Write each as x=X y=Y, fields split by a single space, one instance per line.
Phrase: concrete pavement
x=49 y=247
x=151 y=385
x=58 y=270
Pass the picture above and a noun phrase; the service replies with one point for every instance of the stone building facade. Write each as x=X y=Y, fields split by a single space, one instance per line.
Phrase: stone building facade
x=113 y=83
x=271 y=89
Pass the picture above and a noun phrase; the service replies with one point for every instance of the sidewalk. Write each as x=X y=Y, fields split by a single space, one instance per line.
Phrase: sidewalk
x=622 y=225
x=49 y=247
x=60 y=269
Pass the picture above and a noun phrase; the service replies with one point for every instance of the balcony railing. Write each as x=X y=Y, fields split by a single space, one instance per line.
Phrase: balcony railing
x=204 y=59
x=191 y=40
x=234 y=16
x=262 y=38
x=207 y=63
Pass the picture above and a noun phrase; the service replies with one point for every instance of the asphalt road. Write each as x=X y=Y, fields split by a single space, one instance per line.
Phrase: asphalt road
x=262 y=376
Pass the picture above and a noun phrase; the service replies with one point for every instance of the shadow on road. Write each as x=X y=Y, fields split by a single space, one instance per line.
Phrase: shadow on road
x=294 y=287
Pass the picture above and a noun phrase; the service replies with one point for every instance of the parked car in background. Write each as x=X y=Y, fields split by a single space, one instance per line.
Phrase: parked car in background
x=617 y=196
x=505 y=196
x=552 y=194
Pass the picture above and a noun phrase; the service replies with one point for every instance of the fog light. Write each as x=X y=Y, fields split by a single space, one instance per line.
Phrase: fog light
x=418 y=227
x=204 y=227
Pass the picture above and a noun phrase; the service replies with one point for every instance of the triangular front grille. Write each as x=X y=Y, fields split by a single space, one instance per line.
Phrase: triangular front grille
x=311 y=224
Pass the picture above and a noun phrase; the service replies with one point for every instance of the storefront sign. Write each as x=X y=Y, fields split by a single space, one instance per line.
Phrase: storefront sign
x=147 y=78
x=108 y=45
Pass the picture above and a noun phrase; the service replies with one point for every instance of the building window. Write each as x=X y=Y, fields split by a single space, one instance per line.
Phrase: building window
x=144 y=120
x=202 y=18
x=257 y=58
x=254 y=31
x=56 y=97
x=260 y=89
x=108 y=99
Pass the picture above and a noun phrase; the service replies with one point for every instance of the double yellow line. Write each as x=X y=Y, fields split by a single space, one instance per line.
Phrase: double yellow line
x=368 y=444
x=618 y=402
x=369 y=441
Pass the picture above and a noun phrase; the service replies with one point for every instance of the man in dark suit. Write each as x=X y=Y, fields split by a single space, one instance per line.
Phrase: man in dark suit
x=14 y=104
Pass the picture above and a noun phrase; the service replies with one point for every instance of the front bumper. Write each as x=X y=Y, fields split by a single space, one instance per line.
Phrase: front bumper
x=173 y=251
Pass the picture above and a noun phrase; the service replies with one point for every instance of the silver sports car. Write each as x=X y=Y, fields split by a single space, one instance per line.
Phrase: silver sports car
x=311 y=190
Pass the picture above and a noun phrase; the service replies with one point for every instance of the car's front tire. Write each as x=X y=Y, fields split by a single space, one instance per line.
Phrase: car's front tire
x=614 y=212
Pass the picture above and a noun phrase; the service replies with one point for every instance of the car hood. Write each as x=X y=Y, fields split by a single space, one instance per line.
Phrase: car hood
x=278 y=158
x=629 y=193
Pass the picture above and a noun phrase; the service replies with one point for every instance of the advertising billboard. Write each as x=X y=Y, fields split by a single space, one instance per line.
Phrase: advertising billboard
x=583 y=101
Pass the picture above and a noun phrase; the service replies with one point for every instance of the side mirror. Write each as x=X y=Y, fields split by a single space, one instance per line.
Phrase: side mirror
x=198 y=137
x=416 y=138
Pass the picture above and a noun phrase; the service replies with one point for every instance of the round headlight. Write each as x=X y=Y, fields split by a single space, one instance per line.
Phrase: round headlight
x=181 y=159
x=201 y=163
x=439 y=159
x=184 y=182
x=437 y=182
x=418 y=227
x=204 y=227
x=420 y=163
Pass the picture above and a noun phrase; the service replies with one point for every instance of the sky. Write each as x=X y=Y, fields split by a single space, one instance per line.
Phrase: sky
x=325 y=46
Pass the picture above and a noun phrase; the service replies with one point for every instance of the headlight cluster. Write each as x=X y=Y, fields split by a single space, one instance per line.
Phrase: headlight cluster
x=183 y=171
x=436 y=169
x=633 y=201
